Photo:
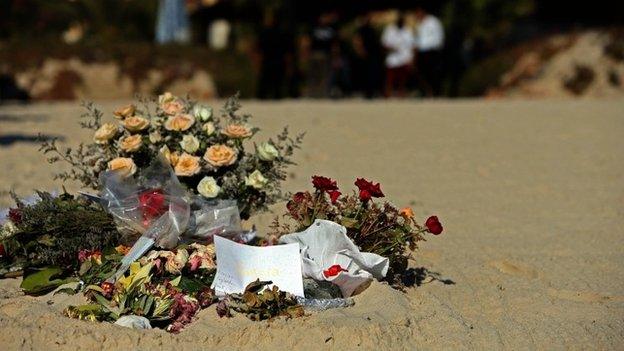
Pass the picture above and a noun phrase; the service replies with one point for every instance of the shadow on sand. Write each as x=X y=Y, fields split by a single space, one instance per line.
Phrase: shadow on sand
x=9 y=139
x=421 y=275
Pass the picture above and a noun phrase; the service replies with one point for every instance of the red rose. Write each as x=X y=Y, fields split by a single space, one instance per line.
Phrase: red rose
x=334 y=195
x=153 y=204
x=333 y=271
x=433 y=225
x=15 y=215
x=300 y=197
x=324 y=183
x=365 y=195
x=368 y=189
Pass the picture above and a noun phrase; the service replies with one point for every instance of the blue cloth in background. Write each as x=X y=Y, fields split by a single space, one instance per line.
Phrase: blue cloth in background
x=172 y=25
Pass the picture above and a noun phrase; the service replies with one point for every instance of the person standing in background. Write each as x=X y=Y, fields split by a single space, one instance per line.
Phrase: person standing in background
x=429 y=45
x=173 y=24
x=398 y=40
x=369 y=55
x=275 y=48
x=323 y=37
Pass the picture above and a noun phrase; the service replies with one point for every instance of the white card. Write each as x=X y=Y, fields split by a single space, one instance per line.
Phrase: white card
x=239 y=265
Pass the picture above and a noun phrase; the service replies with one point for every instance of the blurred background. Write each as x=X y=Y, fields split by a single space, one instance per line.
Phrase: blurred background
x=275 y=49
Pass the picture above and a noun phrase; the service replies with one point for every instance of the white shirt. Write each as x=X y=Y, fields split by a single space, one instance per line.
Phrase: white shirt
x=400 y=42
x=430 y=34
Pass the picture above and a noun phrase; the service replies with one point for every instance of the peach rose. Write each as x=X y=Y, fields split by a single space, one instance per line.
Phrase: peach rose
x=237 y=131
x=187 y=165
x=172 y=157
x=131 y=143
x=220 y=155
x=125 y=111
x=124 y=166
x=170 y=104
x=180 y=122
x=135 y=123
x=105 y=133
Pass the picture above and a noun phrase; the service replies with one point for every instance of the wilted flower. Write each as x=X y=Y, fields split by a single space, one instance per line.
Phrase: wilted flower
x=131 y=143
x=220 y=155
x=407 y=213
x=124 y=166
x=94 y=255
x=135 y=124
x=267 y=152
x=208 y=187
x=201 y=259
x=180 y=122
x=202 y=113
x=122 y=249
x=237 y=131
x=125 y=111
x=105 y=133
x=176 y=262
x=368 y=189
x=189 y=143
x=334 y=195
x=187 y=165
x=256 y=180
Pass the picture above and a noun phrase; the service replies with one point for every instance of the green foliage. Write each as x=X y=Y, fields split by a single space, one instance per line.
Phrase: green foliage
x=52 y=231
x=43 y=281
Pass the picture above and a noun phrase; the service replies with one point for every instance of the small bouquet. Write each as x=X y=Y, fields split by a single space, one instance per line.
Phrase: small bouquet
x=375 y=227
x=207 y=151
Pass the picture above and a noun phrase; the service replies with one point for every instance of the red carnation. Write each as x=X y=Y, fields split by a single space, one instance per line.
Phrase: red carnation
x=300 y=197
x=333 y=271
x=433 y=225
x=368 y=189
x=334 y=195
x=324 y=183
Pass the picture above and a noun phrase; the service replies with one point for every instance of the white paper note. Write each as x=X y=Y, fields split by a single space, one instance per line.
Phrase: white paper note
x=239 y=265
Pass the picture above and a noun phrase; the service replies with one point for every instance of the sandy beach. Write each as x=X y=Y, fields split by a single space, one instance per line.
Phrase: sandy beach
x=531 y=195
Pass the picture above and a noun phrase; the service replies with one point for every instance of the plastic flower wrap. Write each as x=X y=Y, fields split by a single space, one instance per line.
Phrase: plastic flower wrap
x=214 y=155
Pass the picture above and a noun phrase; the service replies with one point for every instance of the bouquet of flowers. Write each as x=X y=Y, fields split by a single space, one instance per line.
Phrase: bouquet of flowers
x=207 y=151
x=374 y=227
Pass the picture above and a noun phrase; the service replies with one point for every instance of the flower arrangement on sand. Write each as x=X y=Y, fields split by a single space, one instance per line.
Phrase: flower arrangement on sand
x=213 y=154
x=376 y=227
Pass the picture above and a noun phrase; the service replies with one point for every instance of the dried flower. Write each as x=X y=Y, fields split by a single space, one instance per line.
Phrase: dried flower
x=407 y=213
x=122 y=249
x=15 y=215
x=368 y=190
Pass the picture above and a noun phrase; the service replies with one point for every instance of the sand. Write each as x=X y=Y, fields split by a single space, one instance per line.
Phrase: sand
x=531 y=195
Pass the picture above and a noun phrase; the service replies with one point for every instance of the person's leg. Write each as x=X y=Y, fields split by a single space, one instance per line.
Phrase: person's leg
x=389 y=82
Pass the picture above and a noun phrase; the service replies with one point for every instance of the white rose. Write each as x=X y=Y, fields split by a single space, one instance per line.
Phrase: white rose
x=202 y=113
x=189 y=143
x=208 y=128
x=267 y=152
x=208 y=187
x=155 y=137
x=256 y=180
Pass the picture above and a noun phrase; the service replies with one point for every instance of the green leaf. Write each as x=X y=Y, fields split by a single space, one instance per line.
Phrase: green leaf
x=42 y=282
